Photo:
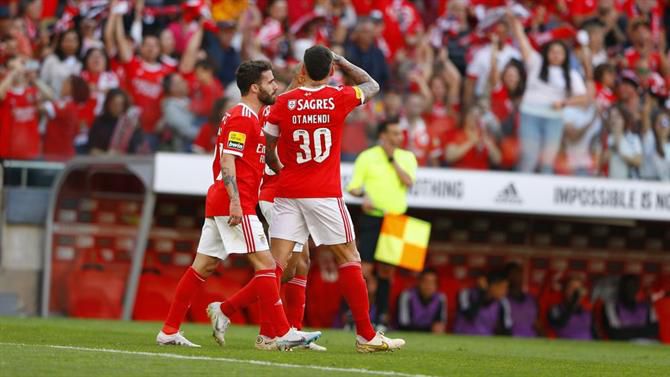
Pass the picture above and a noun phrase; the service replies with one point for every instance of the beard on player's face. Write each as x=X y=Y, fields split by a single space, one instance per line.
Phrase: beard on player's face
x=266 y=97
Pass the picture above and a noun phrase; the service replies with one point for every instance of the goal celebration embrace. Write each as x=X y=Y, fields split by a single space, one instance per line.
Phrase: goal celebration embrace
x=281 y=152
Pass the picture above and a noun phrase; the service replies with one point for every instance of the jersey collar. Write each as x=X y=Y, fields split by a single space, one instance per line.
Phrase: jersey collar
x=312 y=89
x=250 y=109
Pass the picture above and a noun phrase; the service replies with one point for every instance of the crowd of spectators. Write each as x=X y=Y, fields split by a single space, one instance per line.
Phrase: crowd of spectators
x=550 y=86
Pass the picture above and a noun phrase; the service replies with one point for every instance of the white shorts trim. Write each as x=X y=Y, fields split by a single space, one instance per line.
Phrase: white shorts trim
x=326 y=220
x=218 y=239
x=267 y=211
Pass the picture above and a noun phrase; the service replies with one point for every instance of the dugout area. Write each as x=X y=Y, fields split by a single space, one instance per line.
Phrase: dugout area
x=119 y=234
x=116 y=248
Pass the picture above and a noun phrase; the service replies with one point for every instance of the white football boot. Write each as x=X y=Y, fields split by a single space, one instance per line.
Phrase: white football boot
x=294 y=338
x=265 y=343
x=379 y=343
x=176 y=339
x=220 y=322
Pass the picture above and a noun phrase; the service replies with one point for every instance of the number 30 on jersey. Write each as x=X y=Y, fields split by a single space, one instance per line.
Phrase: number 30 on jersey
x=313 y=147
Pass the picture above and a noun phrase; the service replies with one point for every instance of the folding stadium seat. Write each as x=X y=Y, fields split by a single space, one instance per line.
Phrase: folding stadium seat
x=450 y=287
x=216 y=288
x=154 y=294
x=96 y=292
x=663 y=312
x=323 y=300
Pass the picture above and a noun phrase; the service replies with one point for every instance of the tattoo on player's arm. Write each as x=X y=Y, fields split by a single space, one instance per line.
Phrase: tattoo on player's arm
x=230 y=181
x=362 y=79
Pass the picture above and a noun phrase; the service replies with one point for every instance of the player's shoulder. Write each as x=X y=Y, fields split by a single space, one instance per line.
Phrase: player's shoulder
x=241 y=111
x=338 y=88
x=291 y=93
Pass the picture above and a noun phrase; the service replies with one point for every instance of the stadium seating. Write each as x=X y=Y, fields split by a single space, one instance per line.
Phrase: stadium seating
x=663 y=311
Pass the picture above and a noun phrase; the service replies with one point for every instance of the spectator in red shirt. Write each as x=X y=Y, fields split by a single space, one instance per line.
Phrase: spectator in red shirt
x=507 y=90
x=144 y=75
x=205 y=142
x=472 y=146
x=605 y=81
x=98 y=76
x=643 y=48
x=205 y=90
x=19 y=113
x=67 y=119
x=417 y=137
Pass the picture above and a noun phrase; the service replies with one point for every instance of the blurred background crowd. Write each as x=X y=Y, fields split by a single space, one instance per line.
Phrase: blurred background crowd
x=561 y=86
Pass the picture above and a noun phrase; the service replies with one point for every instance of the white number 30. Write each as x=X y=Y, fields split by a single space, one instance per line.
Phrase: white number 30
x=323 y=141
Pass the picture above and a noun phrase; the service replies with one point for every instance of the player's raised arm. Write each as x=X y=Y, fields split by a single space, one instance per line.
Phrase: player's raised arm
x=229 y=178
x=362 y=79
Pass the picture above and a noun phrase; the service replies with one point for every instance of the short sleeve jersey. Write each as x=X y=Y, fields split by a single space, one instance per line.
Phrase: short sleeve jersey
x=309 y=123
x=145 y=83
x=240 y=135
x=19 y=124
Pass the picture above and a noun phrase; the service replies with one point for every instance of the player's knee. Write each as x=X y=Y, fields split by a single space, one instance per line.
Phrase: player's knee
x=205 y=266
x=262 y=261
x=289 y=273
x=302 y=268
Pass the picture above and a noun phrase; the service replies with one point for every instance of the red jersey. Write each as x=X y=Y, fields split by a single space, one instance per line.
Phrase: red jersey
x=240 y=134
x=64 y=125
x=604 y=95
x=204 y=96
x=145 y=83
x=632 y=56
x=501 y=104
x=19 y=122
x=100 y=84
x=477 y=158
x=270 y=178
x=309 y=123
x=269 y=186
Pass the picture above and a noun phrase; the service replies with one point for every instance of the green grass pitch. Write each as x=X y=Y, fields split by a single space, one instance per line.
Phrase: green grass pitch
x=66 y=347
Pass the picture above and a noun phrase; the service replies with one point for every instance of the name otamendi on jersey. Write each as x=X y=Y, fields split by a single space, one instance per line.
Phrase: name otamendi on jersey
x=311 y=104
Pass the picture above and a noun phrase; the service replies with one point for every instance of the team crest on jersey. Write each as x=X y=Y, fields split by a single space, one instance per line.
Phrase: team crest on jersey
x=291 y=104
x=236 y=141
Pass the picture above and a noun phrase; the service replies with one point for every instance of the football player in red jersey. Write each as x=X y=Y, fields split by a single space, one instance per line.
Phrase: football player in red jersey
x=295 y=274
x=305 y=127
x=231 y=225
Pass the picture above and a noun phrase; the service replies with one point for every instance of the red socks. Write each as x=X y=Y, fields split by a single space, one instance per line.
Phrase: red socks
x=295 y=301
x=189 y=284
x=267 y=291
x=262 y=288
x=355 y=291
x=242 y=298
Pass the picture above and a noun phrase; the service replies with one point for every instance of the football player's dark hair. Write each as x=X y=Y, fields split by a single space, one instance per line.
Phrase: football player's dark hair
x=249 y=73
x=318 y=60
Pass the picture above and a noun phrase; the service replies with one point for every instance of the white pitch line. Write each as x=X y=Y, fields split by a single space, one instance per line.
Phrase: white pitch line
x=223 y=359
